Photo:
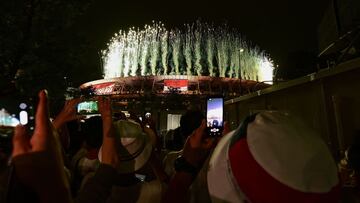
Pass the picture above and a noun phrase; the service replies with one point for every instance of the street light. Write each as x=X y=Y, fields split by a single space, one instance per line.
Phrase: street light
x=240 y=51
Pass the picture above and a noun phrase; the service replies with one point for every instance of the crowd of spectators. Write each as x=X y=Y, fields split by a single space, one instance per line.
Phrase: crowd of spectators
x=271 y=157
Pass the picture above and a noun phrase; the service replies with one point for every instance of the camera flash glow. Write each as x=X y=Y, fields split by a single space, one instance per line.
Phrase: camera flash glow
x=23 y=117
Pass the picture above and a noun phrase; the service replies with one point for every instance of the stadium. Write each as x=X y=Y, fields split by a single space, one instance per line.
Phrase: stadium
x=159 y=69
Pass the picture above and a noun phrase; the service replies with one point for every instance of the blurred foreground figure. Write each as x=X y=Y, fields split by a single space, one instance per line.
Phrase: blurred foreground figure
x=37 y=160
x=271 y=157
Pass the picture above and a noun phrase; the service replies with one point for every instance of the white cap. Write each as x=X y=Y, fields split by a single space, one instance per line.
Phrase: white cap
x=280 y=156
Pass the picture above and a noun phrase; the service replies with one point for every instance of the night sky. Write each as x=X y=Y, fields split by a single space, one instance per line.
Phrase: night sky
x=278 y=26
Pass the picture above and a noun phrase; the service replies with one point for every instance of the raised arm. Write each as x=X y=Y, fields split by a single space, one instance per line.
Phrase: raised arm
x=195 y=152
x=68 y=113
x=98 y=188
x=37 y=160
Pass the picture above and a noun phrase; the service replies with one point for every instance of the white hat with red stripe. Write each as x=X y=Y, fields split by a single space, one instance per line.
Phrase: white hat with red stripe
x=272 y=157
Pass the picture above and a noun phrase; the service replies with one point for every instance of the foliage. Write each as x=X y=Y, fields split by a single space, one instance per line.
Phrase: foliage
x=37 y=40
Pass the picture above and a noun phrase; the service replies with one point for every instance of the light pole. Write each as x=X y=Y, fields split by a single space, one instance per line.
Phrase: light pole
x=240 y=51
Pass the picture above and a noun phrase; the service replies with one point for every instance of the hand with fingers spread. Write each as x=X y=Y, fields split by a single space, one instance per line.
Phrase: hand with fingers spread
x=37 y=159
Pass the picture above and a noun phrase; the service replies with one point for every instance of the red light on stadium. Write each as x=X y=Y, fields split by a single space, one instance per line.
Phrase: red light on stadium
x=177 y=84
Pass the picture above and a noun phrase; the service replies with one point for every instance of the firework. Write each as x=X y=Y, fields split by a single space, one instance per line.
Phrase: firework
x=198 y=49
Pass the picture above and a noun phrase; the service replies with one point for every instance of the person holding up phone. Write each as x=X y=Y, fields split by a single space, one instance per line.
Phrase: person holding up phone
x=67 y=114
x=271 y=157
x=196 y=150
x=88 y=107
x=37 y=159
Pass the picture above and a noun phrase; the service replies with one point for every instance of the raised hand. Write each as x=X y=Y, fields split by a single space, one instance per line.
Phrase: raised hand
x=68 y=113
x=37 y=158
x=43 y=138
x=108 y=148
x=197 y=146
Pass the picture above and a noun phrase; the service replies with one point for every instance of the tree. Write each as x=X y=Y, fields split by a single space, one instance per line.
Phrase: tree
x=39 y=46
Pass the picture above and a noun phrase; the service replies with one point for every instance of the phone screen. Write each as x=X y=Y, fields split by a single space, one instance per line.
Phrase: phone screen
x=215 y=116
x=88 y=107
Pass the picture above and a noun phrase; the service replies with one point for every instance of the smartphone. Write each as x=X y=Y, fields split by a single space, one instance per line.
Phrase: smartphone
x=88 y=107
x=215 y=116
